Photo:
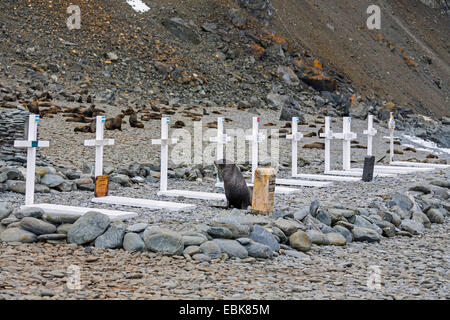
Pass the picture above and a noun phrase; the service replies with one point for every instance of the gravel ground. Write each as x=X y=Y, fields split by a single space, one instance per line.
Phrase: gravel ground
x=410 y=268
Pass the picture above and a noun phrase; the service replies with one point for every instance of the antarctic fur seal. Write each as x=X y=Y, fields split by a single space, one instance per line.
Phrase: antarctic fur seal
x=236 y=191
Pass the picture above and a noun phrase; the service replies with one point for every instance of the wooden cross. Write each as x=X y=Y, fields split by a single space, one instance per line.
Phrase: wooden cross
x=295 y=137
x=370 y=132
x=31 y=144
x=164 y=142
x=255 y=138
x=346 y=136
x=99 y=143
x=221 y=139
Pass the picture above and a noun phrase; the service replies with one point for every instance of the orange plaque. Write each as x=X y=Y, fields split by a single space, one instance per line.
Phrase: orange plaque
x=101 y=186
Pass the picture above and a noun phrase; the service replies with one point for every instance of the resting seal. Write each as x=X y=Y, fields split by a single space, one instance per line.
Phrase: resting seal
x=236 y=191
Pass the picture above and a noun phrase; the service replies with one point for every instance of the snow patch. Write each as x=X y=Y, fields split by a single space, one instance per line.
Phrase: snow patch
x=427 y=146
x=138 y=5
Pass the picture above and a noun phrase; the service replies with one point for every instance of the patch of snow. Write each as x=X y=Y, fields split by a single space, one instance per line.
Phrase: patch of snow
x=427 y=146
x=138 y=5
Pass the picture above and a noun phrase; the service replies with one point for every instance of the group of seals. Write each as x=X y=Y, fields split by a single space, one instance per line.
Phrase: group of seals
x=238 y=194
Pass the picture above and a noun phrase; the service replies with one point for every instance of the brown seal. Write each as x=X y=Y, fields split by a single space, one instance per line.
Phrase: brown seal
x=114 y=123
x=134 y=123
x=236 y=191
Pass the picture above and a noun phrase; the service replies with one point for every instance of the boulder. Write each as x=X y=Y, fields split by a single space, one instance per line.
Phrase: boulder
x=261 y=235
x=163 y=241
x=345 y=232
x=211 y=249
x=37 y=226
x=232 y=248
x=258 y=250
x=61 y=218
x=112 y=238
x=336 y=239
x=288 y=227
x=317 y=237
x=412 y=227
x=365 y=234
x=182 y=30
x=5 y=210
x=17 y=235
x=220 y=232
x=193 y=240
x=52 y=180
x=300 y=241
x=88 y=228
x=133 y=242
x=29 y=212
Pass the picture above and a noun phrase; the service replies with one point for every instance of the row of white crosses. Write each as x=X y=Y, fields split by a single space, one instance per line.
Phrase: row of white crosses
x=32 y=144
x=391 y=126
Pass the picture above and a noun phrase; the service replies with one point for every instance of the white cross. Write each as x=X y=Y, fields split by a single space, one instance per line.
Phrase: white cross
x=346 y=136
x=255 y=138
x=164 y=142
x=221 y=139
x=295 y=137
x=328 y=135
x=391 y=126
x=31 y=144
x=370 y=132
x=99 y=143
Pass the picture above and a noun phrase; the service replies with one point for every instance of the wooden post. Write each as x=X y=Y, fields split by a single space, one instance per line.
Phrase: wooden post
x=264 y=190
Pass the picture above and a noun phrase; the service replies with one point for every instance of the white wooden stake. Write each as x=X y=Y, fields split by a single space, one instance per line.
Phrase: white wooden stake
x=370 y=132
x=255 y=138
x=328 y=135
x=391 y=137
x=295 y=137
x=221 y=139
x=31 y=144
x=164 y=142
x=99 y=143
x=346 y=136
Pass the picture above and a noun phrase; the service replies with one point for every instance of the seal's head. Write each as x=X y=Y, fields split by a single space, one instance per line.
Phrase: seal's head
x=224 y=164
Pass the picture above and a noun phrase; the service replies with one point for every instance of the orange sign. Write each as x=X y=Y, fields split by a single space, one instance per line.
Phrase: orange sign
x=101 y=186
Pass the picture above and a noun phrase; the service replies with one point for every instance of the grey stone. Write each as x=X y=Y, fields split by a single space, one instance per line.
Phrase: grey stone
x=133 y=242
x=365 y=234
x=37 y=226
x=288 y=227
x=64 y=228
x=9 y=220
x=193 y=240
x=301 y=213
x=296 y=254
x=163 y=241
x=112 y=238
x=258 y=250
x=220 y=232
x=336 y=239
x=345 y=232
x=17 y=235
x=201 y=257
x=403 y=214
x=181 y=29
x=421 y=218
x=88 y=228
x=363 y=222
x=29 y=212
x=3 y=177
x=238 y=225
x=280 y=234
x=300 y=241
x=211 y=249
x=61 y=218
x=403 y=201
x=324 y=217
x=52 y=180
x=191 y=250
x=313 y=207
x=412 y=227
x=121 y=179
x=261 y=235
x=440 y=183
x=435 y=216
x=232 y=248
x=137 y=227
x=5 y=210
x=317 y=237
x=244 y=241
x=52 y=236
